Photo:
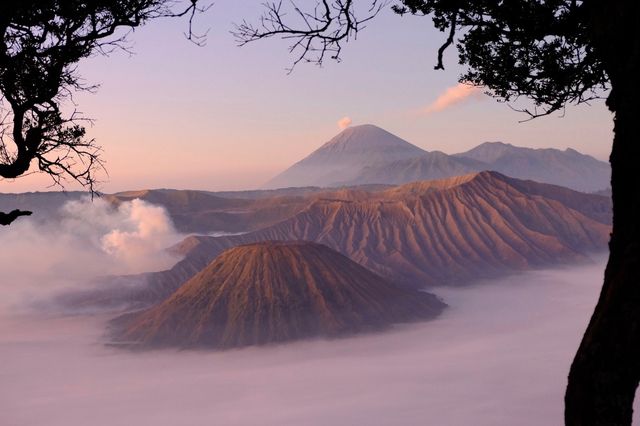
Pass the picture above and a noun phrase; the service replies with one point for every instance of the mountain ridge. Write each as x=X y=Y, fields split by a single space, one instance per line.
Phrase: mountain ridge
x=567 y=167
x=447 y=232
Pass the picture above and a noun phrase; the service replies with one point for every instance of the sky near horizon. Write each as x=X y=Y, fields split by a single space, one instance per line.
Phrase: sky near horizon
x=174 y=115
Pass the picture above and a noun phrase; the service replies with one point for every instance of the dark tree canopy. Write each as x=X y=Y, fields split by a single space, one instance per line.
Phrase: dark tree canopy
x=553 y=52
x=541 y=50
x=41 y=43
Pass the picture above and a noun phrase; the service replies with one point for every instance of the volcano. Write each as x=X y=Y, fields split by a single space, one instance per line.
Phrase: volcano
x=342 y=158
x=271 y=292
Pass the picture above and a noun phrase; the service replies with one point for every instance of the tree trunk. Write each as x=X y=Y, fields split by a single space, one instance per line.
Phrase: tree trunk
x=606 y=370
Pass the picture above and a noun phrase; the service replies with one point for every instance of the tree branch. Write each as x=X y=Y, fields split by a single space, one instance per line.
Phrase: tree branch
x=8 y=218
x=318 y=33
x=40 y=46
x=448 y=42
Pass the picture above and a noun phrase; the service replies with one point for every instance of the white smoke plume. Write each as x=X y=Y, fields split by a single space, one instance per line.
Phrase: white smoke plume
x=454 y=95
x=344 y=122
x=91 y=239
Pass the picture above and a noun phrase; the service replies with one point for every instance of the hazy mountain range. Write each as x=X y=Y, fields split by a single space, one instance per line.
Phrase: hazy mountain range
x=443 y=232
x=367 y=154
x=274 y=292
x=365 y=157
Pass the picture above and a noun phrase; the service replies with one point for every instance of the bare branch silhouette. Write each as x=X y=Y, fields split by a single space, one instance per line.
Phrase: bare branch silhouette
x=316 y=34
x=41 y=43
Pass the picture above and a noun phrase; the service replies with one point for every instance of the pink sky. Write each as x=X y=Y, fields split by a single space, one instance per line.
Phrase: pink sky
x=222 y=117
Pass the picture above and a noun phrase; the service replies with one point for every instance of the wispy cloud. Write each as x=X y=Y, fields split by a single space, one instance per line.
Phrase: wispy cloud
x=344 y=122
x=454 y=95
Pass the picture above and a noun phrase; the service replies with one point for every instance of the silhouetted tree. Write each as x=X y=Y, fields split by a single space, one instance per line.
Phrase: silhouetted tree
x=554 y=52
x=41 y=42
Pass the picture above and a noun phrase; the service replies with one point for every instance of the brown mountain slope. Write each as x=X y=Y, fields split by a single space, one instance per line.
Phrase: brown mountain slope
x=273 y=292
x=598 y=209
x=450 y=231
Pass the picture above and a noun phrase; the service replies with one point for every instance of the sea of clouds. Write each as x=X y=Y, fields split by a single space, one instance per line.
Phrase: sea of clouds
x=498 y=356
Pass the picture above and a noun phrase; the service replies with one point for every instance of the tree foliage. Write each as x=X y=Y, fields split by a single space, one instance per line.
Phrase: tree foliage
x=538 y=49
x=41 y=43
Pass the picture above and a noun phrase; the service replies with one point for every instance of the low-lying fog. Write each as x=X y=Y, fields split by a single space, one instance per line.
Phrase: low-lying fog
x=91 y=239
x=498 y=356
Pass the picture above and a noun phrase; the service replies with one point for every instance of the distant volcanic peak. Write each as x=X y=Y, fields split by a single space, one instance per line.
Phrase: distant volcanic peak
x=342 y=158
x=497 y=152
x=566 y=168
x=492 y=152
x=362 y=130
x=272 y=292
x=367 y=136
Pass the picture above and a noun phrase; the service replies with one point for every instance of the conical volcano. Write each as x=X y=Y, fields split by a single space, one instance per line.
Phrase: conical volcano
x=342 y=158
x=273 y=292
